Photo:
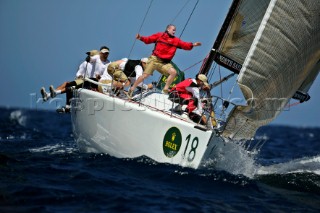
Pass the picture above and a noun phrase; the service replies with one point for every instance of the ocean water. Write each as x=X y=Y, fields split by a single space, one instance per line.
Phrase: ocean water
x=42 y=170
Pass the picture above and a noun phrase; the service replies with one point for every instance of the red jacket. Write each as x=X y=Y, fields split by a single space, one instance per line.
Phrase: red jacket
x=181 y=87
x=166 y=45
x=187 y=95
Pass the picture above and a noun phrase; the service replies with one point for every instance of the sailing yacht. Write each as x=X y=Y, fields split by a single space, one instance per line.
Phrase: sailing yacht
x=273 y=46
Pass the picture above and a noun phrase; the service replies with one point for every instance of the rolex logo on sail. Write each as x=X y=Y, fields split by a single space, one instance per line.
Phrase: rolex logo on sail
x=172 y=142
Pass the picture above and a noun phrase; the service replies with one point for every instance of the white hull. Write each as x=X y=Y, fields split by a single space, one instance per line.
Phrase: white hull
x=127 y=129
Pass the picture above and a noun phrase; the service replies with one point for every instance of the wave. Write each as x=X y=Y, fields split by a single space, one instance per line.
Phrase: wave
x=302 y=165
x=238 y=160
x=299 y=175
x=60 y=148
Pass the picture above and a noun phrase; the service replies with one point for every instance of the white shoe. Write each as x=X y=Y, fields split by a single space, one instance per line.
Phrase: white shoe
x=44 y=94
x=52 y=92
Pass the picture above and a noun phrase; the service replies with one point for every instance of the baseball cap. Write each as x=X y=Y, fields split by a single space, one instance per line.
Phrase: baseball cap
x=104 y=50
x=204 y=79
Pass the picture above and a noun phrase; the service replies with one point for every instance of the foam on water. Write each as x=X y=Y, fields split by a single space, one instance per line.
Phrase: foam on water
x=302 y=165
x=54 y=149
x=236 y=159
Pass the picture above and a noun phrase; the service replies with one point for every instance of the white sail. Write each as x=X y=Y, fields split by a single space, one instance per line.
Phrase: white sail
x=282 y=58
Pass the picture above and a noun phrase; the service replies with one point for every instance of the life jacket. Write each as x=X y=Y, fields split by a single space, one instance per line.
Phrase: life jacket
x=129 y=67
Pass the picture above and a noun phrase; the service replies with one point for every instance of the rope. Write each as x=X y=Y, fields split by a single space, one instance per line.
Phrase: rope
x=145 y=16
x=189 y=18
x=290 y=105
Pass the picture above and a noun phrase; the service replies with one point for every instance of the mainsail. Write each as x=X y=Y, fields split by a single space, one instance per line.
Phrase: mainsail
x=276 y=45
x=236 y=35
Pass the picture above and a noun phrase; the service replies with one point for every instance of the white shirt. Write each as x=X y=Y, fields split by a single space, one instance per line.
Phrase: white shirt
x=196 y=93
x=123 y=63
x=85 y=70
x=100 y=66
x=93 y=68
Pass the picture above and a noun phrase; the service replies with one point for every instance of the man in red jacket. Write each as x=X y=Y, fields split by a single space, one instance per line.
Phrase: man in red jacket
x=164 y=50
x=187 y=92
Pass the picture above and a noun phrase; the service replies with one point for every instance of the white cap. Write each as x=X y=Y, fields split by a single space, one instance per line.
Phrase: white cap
x=104 y=50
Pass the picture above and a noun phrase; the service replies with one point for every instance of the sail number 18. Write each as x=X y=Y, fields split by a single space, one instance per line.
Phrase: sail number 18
x=194 y=144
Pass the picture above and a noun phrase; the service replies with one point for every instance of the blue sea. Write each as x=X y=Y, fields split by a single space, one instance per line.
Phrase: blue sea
x=42 y=170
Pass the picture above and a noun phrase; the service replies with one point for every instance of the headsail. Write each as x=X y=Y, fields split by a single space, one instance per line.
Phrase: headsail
x=283 y=58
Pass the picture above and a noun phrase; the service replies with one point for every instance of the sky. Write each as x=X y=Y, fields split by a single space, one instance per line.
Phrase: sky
x=44 y=41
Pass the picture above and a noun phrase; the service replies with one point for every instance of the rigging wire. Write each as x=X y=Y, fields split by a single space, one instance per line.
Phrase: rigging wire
x=211 y=72
x=231 y=91
x=189 y=18
x=221 y=90
x=193 y=65
x=145 y=16
x=180 y=11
